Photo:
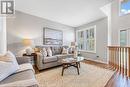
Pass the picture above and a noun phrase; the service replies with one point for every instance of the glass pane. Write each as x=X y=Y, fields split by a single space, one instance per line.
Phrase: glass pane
x=81 y=40
x=92 y=33
x=87 y=45
x=123 y=37
x=90 y=40
x=92 y=45
x=86 y=40
x=124 y=7
x=87 y=35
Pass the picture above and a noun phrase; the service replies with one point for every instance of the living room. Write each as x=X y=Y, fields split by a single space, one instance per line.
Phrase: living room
x=61 y=43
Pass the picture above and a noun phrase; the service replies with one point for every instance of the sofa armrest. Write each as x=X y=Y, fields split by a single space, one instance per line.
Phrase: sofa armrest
x=23 y=59
x=39 y=61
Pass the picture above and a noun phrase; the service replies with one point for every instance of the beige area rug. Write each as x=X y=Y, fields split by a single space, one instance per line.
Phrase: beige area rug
x=90 y=76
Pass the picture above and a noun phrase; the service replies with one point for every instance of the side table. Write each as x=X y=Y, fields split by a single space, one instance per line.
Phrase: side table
x=33 y=58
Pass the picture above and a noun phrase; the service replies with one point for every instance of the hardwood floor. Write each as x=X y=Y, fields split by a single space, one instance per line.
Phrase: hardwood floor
x=117 y=80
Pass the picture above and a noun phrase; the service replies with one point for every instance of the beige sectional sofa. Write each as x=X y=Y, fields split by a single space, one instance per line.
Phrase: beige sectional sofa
x=47 y=62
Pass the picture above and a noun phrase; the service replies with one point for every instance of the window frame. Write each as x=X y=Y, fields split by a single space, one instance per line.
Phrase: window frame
x=85 y=42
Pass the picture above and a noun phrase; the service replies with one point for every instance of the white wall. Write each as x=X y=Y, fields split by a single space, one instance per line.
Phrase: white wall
x=3 y=43
x=27 y=26
x=101 y=40
x=118 y=22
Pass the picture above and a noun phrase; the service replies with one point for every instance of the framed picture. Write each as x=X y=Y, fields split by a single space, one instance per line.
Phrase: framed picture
x=52 y=36
x=124 y=7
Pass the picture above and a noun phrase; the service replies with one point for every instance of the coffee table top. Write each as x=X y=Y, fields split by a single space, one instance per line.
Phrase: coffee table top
x=72 y=60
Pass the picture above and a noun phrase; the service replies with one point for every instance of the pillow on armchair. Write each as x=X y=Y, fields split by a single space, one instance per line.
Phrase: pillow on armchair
x=49 y=51
x=8 y=65
x=71 y=50
x=65 y=50
x=44 y=52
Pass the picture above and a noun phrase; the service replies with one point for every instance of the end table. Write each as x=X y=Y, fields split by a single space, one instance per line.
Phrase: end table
x=33 y=58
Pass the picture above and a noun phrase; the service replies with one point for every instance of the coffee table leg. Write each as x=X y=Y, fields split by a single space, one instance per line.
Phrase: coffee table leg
x=63 y=69
x=77 y=65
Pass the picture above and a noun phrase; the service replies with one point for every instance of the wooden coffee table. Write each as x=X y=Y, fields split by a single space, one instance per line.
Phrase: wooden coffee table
x=68 y=62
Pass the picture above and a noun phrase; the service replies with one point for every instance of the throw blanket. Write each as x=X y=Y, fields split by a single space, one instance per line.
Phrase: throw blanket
x=23 y=83
x=25 y=66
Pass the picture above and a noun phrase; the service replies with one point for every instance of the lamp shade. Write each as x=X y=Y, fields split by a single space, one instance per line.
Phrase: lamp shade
x=27 y=42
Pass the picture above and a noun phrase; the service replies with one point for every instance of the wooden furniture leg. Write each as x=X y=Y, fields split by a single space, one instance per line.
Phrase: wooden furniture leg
x=77 y=66
x=63 y=67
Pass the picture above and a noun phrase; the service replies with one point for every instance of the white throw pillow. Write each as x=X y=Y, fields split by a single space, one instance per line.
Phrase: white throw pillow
x=49 y=52
x=13 y=58
x=8 y=66
x=70 y=50
x=64 y=51
x=44 y=52
x=6 y=69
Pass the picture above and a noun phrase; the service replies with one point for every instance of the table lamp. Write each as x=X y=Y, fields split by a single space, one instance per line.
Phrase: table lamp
x=74 y=48
x=28 y=43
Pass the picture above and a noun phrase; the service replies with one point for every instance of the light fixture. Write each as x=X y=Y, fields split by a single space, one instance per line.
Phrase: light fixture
x=28 y=43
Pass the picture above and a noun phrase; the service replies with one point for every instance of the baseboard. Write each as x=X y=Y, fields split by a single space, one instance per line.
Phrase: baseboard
x=97 y=60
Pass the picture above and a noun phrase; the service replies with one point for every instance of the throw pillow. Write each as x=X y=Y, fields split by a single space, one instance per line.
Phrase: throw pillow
x=8 y=66
x=49 y=52
x=65 y=50
x=44 y=52
x=13 y=58
x=70 y=50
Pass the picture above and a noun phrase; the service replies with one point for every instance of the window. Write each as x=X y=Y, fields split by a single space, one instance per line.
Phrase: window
x=86 y=39
x=81 y=40
x=124 y=7
x=123 y=37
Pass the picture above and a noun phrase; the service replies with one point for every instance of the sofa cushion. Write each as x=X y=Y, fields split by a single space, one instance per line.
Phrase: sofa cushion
x=50 y=59
x=62 y=56
x=56 y=50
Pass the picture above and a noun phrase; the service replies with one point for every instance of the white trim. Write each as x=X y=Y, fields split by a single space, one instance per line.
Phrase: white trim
x=3 y=40
x=84 y=29
x=96 y=60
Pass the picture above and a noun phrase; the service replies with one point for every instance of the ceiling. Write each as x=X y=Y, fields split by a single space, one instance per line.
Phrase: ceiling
x=69 y=12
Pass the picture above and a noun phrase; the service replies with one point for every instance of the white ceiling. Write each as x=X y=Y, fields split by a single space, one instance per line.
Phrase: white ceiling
x=69 y=12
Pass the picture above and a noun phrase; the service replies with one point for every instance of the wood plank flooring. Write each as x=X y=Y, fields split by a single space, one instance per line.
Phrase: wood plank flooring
x=117 y=80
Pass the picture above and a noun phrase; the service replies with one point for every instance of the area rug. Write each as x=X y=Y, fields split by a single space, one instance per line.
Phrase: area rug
x=90 y=76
